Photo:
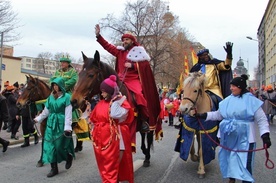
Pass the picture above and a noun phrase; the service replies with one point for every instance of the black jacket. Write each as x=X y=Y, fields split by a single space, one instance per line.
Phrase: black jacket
x=4 y=112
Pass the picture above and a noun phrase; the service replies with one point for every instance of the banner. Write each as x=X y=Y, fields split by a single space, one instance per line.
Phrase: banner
x=184 y=73
x=194 y=56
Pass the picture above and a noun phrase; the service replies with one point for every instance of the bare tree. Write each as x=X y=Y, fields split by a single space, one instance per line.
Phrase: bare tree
x=157 y=29
x=8 y=22
x=41 y=61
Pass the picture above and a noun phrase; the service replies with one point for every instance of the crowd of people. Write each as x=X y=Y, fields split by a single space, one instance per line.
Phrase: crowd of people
x=111 y=115
x=10 y=94
x=111 y=109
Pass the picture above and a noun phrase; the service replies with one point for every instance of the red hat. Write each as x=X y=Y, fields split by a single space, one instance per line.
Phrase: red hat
x=269 y=87
x=109 y=85
x=7 y=83
x=130 y=36
x=10 y=87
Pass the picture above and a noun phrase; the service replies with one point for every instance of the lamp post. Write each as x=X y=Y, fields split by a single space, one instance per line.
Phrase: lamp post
x=247 y=66
x=248 y=37
x=1 y=59
x=259 y=64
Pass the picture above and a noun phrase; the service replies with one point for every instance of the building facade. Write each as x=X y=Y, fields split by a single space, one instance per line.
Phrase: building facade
x=15 y=69
x=267 y=46
x=39 y=65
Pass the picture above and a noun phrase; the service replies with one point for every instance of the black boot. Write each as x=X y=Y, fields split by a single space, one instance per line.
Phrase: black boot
x=13 y=136
x=5 y=144
x=78 y=146
x=69 y=161
x=5 y=126
x=53 y=171
x=36 y=138
x=26 y=142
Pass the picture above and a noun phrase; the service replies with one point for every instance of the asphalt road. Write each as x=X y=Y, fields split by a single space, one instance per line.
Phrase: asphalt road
x=19 y=165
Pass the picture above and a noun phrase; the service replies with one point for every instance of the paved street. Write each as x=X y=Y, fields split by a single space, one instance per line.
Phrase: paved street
x=18 y=164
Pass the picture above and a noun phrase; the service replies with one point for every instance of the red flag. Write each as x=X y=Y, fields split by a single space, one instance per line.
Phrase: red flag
x=186 y=65
x=194 y=56
x=185 y=72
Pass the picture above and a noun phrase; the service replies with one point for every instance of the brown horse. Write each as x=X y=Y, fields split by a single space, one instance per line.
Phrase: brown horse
x=90 y=77
x=195 y=98
x=35 y=91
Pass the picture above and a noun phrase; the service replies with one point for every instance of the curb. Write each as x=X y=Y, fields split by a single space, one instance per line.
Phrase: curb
x=15 y=142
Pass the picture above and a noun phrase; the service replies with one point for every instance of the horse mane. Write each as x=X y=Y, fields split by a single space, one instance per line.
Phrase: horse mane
x=195 y=79
x=102 y=66
x=45 y=84
x=108 y=69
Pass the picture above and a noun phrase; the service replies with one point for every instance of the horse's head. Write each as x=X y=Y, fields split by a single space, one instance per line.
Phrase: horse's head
x=193 y=90
x=90 y=77
x=34 y=90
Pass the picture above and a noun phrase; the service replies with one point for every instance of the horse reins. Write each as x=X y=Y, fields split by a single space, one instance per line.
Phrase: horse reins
x=233 y=150
x=193 y=102
x=30 y=115
x=124 y=76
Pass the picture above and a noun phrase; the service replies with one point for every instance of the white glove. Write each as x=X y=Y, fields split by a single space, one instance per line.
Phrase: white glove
x=121 y=100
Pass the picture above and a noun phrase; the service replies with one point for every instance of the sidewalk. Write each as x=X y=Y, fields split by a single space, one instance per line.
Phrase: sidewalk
x=7 y=136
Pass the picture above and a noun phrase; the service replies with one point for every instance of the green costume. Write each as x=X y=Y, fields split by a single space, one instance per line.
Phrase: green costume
x=70 y=77
x=56 y=144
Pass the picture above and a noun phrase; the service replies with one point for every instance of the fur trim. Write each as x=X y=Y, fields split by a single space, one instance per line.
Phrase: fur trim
x=120 y=48
x=137 y=54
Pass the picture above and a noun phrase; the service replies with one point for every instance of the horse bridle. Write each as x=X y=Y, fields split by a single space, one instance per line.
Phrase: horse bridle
x=193 y=102
x=99 y=77
x=32 y=93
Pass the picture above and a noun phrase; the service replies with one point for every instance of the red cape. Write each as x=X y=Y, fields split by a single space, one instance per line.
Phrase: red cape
x=151 y=95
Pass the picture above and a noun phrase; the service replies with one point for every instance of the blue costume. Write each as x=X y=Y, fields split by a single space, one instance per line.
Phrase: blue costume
x=187 y=133
x=234 y=134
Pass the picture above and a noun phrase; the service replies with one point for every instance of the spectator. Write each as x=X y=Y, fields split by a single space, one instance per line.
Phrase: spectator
x=4 y=116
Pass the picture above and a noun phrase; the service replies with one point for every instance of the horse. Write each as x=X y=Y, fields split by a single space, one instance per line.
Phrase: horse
x=92 y=74
x=195 y=99
x=35 y=91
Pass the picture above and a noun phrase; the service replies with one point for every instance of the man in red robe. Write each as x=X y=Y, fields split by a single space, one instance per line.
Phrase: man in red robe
x=133 y=68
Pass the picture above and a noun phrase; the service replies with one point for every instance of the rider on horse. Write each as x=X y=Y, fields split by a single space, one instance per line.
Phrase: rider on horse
x=133 y=68
x=217 y=72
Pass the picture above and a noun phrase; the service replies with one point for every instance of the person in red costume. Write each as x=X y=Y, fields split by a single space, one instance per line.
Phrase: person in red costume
x=133 y=68
x=111 y=118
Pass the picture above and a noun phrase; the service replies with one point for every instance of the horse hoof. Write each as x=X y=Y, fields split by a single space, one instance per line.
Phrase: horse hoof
x=146 y=163
x=39 y=164
x=201 y=176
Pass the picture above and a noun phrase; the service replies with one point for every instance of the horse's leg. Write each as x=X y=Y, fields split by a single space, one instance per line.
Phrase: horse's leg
x=150 y=143
x=42 y=131
x=194 y=157
x=146 y=149
x=201 y=168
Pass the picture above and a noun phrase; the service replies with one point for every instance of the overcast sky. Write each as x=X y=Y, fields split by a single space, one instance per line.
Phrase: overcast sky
x=68 y=26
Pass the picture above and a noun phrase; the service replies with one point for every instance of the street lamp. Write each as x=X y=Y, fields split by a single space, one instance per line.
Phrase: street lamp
x=1 y=59
x=259 y=68
x=248 y=37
